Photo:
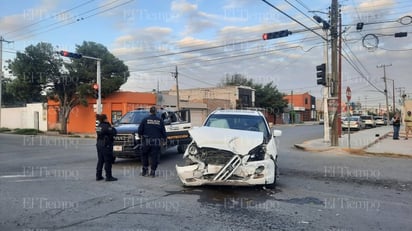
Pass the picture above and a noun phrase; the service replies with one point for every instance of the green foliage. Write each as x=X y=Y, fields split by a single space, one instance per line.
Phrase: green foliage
x=236 y=80
x=114 y=72
x=26 y=131
x=266 y=96
x=33 y=69
x=39 y=70
x=2 y=129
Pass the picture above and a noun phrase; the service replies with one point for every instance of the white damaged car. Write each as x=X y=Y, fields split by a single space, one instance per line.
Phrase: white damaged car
x=233 y=147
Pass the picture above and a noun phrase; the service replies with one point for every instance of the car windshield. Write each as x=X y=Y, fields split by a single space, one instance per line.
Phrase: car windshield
x=238 y=122
x=351 y=118
x=133 y=117
x=366 y=117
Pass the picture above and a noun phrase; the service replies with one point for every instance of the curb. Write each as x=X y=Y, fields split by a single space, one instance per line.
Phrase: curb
x=355 y=151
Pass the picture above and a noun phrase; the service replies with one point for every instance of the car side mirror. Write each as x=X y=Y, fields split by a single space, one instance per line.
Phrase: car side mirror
x=276 y=133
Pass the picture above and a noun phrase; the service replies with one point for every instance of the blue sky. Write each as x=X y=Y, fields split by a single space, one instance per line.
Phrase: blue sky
x=208 y=40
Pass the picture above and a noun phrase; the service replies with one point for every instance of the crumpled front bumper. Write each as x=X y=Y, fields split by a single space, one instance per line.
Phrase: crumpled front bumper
x=251 y=173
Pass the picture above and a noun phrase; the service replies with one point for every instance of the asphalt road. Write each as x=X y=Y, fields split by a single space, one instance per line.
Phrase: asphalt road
x=47 y=183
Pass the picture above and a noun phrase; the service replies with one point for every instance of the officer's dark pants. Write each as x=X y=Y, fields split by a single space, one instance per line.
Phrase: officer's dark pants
x=104 y=157
x=152 y=153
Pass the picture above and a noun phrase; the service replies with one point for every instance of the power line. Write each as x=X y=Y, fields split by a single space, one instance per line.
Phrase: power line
x=284 y=13
x=77 y=18
x=51 y=17
x=310 y=18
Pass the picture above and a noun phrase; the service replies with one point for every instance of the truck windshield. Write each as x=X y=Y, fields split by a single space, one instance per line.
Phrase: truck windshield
x=133 y=117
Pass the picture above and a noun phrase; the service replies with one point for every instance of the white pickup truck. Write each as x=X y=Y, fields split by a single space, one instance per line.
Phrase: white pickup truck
x=127 y=143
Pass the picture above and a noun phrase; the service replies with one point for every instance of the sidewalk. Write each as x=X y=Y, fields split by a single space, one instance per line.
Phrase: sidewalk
x=373 y=141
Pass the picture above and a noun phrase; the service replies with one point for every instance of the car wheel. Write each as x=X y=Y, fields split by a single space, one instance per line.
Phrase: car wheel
x=273 y=184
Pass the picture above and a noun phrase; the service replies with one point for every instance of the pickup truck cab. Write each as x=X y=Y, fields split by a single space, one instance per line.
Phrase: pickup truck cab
x=127 y=143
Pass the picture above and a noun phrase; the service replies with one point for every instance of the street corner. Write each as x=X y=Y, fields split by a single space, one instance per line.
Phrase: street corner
x=388 y=147
x=317 y=145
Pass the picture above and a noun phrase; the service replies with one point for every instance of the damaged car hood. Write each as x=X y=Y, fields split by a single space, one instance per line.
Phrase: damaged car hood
x=236 y=141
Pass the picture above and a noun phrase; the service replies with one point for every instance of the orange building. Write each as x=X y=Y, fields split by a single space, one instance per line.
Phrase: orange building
x=82 y=119
x=304 y=105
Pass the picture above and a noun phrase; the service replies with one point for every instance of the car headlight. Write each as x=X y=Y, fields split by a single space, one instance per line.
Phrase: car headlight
x=192 y=149
x=258 y=153
x=136 y=136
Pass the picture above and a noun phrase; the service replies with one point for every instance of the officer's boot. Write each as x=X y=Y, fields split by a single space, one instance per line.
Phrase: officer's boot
x=144 y=171
x=109 y=176
x=99 y=176
x=152 y=173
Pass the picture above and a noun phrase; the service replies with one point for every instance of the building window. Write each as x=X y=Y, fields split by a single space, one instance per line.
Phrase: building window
x=116 y=115
x=306 y=101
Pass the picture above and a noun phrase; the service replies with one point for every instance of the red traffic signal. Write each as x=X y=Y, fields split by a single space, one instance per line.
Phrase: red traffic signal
x=95 y=90
x=70 y=55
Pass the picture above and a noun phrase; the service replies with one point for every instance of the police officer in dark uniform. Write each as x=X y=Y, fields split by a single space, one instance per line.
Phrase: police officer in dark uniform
x=105 y=133
x=152 y=133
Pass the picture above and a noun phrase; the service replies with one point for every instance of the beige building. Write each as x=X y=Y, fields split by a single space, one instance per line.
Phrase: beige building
x=226 y=97
x=202 y=101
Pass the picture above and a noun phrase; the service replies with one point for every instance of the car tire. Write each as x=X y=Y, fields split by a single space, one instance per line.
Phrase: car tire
x=273 y=184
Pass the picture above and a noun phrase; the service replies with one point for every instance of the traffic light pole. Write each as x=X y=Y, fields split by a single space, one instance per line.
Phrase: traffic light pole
x=334 y=62
x=1 y=71
x=325 y=91
x=99 y=85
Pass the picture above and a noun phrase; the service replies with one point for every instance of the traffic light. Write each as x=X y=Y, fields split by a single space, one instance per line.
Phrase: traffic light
x=70 y=55
x=277 y=34
x=401 y=34
x=95 y=91
x=321 y=74
x=359 y=26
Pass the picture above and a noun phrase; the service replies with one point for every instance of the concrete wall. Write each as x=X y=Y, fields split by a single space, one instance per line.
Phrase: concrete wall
x=32 y=116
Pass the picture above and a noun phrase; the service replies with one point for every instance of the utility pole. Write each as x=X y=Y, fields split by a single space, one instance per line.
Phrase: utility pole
x=1 y=71
x=293 y=108
x=386 y=87
x=340 y=78
x=393 y=95
x=176 y=76
x=325 y=93
x=334 y=62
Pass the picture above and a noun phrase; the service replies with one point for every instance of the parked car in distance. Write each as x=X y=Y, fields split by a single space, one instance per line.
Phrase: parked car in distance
x=233 y=147
x=353 y=123
x=368 y=121
x=380 y=120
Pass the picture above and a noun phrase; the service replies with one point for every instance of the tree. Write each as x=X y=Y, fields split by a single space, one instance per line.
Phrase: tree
x=32 y=69
x=236 y=80
x=67 y=81
x=266 y=96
